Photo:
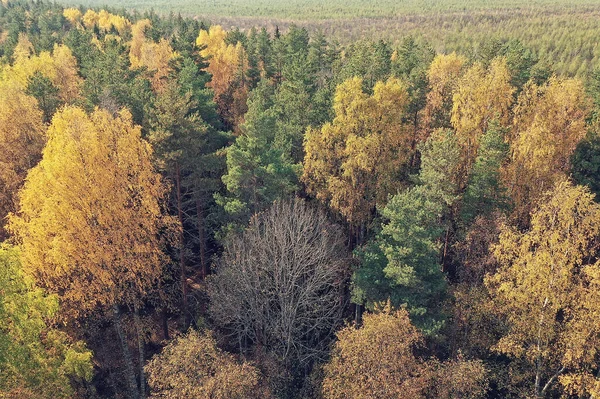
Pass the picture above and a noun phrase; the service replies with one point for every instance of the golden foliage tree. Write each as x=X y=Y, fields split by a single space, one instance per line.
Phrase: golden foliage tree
x=193 y=367
x=60 y=67
x=376 y=361
x=73 y=15
x=89 y=219
x=147 y=53
x=482 y=95
x=546 y=291
x=443 y=76
x=354 y=163
x=227 y=64
x=90 y=212
x=21 y=141
x=549 y=122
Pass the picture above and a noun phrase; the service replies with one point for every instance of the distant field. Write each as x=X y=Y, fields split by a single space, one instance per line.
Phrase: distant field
x=564 y=34
x=333 y=9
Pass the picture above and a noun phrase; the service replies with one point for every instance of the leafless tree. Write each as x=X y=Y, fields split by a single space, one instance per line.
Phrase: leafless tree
x=280 y=284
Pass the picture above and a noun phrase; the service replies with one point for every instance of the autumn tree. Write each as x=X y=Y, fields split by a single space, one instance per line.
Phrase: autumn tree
x=60 y=67
x=548 y=124
x=443 y=76
x=36 y=360
x=355 y=162
x=278 y=286
x=546 y=292
x=227 y=64
x=403 y=262
x=89 y=217
x=22 y=138
x=379 y=360
x=193 y=367
x=481 y=96
x=153 y=56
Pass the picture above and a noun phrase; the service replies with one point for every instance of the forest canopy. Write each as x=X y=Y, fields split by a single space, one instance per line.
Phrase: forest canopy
x=255 y=210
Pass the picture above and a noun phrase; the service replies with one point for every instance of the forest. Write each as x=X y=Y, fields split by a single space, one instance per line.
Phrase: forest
x=189 y=211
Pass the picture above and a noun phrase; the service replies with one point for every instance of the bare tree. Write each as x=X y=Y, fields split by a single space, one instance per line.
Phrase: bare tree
x=280 y=284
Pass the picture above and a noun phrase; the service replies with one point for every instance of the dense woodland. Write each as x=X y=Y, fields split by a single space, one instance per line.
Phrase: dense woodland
x=193 y=212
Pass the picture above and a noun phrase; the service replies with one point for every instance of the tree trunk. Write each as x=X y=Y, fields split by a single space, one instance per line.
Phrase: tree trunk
x=140 y=341
x=184 y=304
x=129 y=370
x=201 y=238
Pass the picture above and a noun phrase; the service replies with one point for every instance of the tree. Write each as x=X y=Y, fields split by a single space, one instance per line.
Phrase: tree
x=484 y=192
x=90 y=214
x=154 y=56
x=60 y=68
x=354 y=163
x=259 y=170
x=185 y=152
x=403 y=263
x=410 y=63
x=482 y=95
x=545 y=291
x=45 y=93
x=443 y=75
x=22 y=138
x=36 y=360
x=377 y=360
x=279 y=285
x=585 y=162
x=548 y=124
x=227 y=64
x=193 y=367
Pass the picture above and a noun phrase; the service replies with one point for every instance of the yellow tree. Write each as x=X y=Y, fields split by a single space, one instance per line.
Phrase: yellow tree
x=90 y=214
x=60 y=67
x=227 y=65
x=482 y=95
x=443 y=75
x=193 y=367
x=544 y=290
x=548 y=124
x=354 y=163
x=147 y=53
x=378 y=361
x=73 y=15
x=21 y=142
x=90 y=18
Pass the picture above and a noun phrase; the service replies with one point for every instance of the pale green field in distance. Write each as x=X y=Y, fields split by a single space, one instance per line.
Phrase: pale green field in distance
x=563 y=34
x=331 y=9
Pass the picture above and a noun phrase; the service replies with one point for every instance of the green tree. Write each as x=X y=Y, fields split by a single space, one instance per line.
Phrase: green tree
x=37 y=361
x=484 y=192
x=45 y=93
x=403 y=262
x=259 y=170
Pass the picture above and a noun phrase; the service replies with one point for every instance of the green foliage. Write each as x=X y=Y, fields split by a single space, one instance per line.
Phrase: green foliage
x=403 y=262
x=585 y=163
x=45 y=93
x=258 y=169
x=484 y=192
x=35 y=359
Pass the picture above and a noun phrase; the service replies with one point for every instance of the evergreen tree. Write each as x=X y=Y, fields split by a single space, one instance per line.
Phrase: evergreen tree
x=402 y=263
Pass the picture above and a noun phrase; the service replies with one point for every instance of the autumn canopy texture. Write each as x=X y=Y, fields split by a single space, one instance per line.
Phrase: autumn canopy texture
x=383 y=201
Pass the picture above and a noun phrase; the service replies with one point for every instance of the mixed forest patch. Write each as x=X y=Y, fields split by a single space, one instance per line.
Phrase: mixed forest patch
x=287 y=211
